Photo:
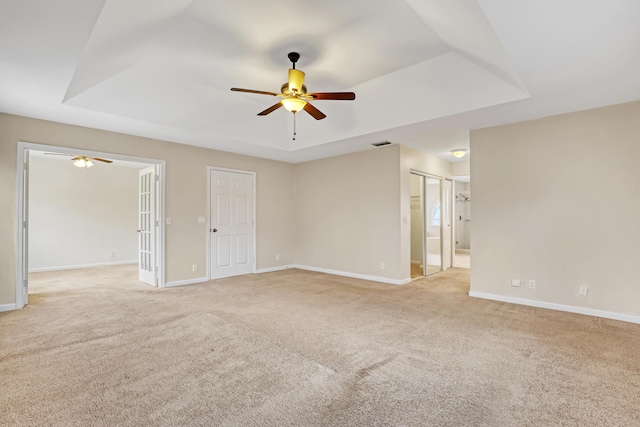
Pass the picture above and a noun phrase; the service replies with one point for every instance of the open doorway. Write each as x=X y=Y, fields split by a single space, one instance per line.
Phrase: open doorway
x=462 y=216
x=84 y=210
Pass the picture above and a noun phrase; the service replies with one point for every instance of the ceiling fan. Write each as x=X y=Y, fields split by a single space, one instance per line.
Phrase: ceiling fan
x=295 y=97
x=82 y=161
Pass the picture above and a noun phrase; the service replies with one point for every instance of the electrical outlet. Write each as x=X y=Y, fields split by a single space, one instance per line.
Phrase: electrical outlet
x=515 y=282
x=194 y=267
x=277 y=257
x=532 y=284
x=382 y=266
x=583 y=291
x=113 y=254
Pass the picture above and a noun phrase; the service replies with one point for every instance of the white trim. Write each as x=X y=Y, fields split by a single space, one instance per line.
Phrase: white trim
x=20 y=203
x=272 y=269
x=631 y=318
x=354 y=275
x=7 y=307
x=186 y=282
x=74 y=267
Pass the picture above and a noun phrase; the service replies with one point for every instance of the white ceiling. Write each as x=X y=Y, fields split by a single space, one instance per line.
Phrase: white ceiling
x=425 y=72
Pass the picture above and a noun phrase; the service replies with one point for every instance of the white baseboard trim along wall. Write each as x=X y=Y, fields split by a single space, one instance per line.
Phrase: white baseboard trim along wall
x=186 y=282
x=559 y=307
x=354 y=275
x=336 y=273
x=73 y=267
x=7 y=307
x=272 y=269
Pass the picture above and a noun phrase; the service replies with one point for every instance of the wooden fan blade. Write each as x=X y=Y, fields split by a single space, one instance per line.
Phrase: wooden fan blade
x=317 y=114
x=270 y=109
x=76 y=158
x=338 y=96
x=101 y=160
x=259 y=92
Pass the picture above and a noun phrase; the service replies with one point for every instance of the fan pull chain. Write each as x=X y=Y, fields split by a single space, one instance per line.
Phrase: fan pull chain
x=294 y=126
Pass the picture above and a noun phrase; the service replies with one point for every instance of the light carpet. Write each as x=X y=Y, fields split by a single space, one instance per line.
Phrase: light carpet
x=95 y=347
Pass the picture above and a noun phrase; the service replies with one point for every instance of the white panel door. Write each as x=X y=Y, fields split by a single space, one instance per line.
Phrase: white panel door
x=147 y=225
x=232 y=225
x=447 y=231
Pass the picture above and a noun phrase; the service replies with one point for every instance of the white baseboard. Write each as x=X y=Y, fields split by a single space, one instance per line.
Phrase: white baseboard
x=271 y=269
x=74 y=267
x=186 y=282
x=354 y=275
x=7 y=307
x=559 y=307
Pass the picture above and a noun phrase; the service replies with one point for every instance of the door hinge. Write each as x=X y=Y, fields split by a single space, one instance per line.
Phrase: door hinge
x=156 y=268
x=157 y=177
x=157 y=224
x=25 y=224
x=24 y=283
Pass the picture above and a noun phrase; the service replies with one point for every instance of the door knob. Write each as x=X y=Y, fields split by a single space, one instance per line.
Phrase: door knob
x=214 y=230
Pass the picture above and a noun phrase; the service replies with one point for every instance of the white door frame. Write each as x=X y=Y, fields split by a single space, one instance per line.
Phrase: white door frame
x=20 y=204
x=450 y=232
x=208 y=228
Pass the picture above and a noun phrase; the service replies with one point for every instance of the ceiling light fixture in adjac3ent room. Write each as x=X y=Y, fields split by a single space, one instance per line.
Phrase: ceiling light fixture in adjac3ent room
x=295 y=97
x=459 y=152
x=83 y=162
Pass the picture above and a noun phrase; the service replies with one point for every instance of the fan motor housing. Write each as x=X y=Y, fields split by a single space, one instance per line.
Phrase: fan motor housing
x=285 y=90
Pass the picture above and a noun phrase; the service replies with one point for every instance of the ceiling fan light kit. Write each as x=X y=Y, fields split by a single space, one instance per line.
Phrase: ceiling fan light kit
x=82 y=162
x=295 y=97
x=293 y=104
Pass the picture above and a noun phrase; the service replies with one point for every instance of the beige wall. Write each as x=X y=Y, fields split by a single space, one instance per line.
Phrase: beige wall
x=186 y=198
x=354 y=211
x=349 y=213
x=557 y=200
x=81 y=216
x=461 y=168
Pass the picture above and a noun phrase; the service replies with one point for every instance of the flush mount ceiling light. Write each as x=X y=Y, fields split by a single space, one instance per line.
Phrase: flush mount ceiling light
x=459 y=152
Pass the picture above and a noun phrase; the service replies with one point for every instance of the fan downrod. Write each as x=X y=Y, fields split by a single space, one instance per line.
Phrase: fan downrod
x=293 y=57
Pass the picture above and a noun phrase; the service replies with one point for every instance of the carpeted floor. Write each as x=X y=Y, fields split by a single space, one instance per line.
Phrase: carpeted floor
x=296 y=348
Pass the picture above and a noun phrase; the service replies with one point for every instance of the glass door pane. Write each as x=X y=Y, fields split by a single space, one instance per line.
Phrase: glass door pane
x=433 y=213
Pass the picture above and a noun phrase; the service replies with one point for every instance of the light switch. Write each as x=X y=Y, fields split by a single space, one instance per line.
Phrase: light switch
x=168 y=220
x=200 y=220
